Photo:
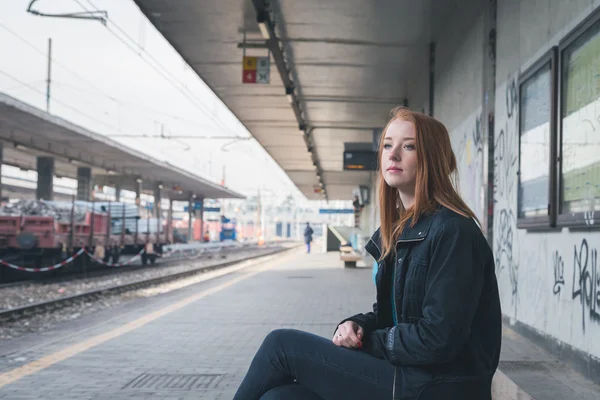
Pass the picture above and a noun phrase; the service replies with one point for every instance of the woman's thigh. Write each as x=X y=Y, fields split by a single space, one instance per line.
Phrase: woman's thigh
x=330 y=371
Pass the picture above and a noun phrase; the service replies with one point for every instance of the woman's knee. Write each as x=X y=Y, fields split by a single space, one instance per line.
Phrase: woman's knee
x=278 y=337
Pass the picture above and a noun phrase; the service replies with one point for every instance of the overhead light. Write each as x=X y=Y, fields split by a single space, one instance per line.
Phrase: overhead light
x=289 y=94
x=194 y=196
x=321 y=184
x=111 y=172
x=262 y=25
x=160 y=186
x=19 y=146
x=139 y=180
x=75 y=162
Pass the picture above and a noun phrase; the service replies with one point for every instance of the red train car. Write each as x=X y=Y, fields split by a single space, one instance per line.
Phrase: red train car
x=39 y=240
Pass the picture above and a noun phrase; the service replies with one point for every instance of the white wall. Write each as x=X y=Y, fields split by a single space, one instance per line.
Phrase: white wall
x=549 y=281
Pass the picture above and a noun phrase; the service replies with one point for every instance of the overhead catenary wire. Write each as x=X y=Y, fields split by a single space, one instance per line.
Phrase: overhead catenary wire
x=98 y=92
x=91 y=84
x=157 y=66
x=64 y=104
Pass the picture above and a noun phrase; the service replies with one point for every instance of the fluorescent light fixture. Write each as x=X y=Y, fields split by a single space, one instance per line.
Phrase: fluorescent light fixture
x=75 y=162
x=262 y=25
x=20 y=147
x=289 y=94
x=111 y=172
x=160 y=186
x=263 y=30
x=194 y=196
x=139 y=180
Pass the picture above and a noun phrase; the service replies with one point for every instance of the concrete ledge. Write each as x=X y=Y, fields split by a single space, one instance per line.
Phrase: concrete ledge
x=505 y=389
x=527 y=372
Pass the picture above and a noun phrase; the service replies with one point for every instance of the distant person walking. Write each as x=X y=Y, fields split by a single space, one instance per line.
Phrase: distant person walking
x=308 y=232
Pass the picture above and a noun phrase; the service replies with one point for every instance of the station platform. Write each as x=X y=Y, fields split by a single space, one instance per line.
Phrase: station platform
x=196 y=342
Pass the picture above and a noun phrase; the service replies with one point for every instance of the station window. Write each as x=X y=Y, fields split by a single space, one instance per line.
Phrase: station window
x=537 y=143
x=579 y=166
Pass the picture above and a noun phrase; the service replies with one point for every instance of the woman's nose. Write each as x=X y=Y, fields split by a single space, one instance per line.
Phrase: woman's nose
x=394 y=155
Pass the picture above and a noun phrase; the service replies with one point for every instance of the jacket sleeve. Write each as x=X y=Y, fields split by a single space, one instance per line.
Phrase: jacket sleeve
x=366 y=321
x=454 y=284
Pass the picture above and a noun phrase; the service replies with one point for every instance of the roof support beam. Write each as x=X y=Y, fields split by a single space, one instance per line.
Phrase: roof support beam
x=268 y=30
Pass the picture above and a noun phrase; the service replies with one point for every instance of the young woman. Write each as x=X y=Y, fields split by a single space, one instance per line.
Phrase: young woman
x=435 y=329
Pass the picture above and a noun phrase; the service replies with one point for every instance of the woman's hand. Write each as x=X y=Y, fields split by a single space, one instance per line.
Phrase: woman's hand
x=349 y=334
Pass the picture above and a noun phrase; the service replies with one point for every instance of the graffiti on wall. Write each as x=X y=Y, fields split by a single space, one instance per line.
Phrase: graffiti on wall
x=467 y=143
x=586 y=281
x=559 y=273
x=506 y=243
x=506 y=148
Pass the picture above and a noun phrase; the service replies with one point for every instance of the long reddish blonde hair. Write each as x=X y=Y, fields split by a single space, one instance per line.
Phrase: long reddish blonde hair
x=436 y=168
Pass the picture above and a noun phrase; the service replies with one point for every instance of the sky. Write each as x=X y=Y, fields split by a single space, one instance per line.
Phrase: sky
x=123 y=79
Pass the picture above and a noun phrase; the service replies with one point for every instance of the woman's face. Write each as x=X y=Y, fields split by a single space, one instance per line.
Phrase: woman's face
x=399 y=156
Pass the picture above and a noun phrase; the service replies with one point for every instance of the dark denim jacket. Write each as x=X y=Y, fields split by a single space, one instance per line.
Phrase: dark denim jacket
x=446 y=303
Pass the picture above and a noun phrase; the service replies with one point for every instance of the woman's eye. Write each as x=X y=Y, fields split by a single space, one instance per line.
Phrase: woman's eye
x=387 y=146
x=409 y=146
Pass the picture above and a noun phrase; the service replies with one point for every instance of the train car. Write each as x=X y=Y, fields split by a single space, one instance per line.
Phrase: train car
x=38 y=234
x=40 y=240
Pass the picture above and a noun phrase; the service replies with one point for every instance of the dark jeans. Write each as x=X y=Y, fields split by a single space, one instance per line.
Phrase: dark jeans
x=307 y=247
x=296 y=365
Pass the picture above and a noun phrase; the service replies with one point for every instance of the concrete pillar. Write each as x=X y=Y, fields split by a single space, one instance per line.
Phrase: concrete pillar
x=190 y=214
x=45 y=179
x=487 y=118
x=138 y=192
x=169 y=220
x=1 y=155
x=157 y=209
x=118 y=191
x=157 y=199
x=84 y=183
x=200 y=215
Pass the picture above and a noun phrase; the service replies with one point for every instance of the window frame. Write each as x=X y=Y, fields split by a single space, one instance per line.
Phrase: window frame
x=579 y=219
x=542 y=221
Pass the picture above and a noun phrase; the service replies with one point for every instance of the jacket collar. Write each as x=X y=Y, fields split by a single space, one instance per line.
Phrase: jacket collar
x=409 y=234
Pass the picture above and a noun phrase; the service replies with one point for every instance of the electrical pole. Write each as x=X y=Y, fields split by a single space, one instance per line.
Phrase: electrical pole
x=49 y=79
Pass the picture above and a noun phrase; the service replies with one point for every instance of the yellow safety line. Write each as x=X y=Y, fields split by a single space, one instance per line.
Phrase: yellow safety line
x=68 y=352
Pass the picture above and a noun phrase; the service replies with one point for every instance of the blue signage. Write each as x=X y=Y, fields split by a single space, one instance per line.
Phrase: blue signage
x=336 y=211
x=198 y=207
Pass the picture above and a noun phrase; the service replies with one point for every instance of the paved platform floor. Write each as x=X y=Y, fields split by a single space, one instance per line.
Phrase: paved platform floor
x=192 y=343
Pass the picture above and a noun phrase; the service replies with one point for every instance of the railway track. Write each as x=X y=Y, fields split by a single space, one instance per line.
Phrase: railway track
x=94 y=271
x=17 y=313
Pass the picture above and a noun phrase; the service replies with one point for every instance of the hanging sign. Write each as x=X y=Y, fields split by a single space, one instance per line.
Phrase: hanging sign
x=256 y=70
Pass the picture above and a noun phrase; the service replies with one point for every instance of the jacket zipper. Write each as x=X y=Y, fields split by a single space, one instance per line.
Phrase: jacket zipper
x=394 y=387
x=394 y=303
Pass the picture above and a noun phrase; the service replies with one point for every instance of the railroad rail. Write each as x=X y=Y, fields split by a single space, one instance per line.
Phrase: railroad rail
x=17 y=313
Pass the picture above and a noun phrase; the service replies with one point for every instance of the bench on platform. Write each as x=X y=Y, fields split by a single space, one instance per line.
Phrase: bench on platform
x=349 y=256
